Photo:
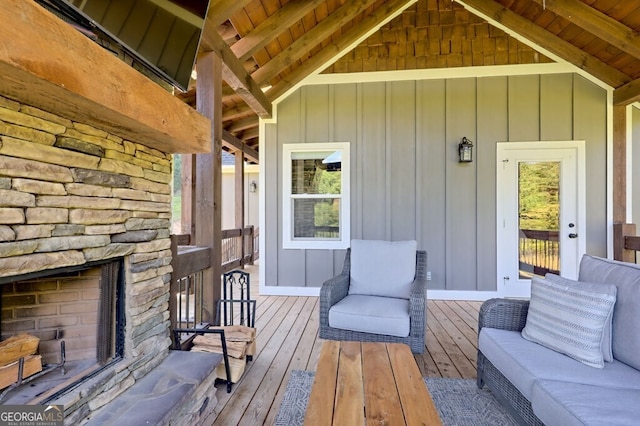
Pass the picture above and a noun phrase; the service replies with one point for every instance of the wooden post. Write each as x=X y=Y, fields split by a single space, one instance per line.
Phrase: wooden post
x=619 y=164
x=620 y=252
x=188 y=190
x=239 y=200
x=208 y=214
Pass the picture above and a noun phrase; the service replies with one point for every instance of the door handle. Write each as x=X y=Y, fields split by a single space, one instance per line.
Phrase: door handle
x=573 y=235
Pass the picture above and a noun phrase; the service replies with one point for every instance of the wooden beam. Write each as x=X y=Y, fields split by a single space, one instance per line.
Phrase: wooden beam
x=597 y=23
x=312 y=38
x=208 y=214
x=494 y=12
x=619 y=164
x=340 y=46
x=188 y=191
x=622 y=230
x=221 y=10
x=236 y=144
x=627 y=94
x=243 y=124
x=46 y=63
x=234 y=73
x=273 y=26
x=236 y=112
x=239 y=192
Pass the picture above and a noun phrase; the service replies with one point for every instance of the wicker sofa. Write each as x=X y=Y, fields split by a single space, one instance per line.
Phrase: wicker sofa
x=360 y=321
x=541 y=386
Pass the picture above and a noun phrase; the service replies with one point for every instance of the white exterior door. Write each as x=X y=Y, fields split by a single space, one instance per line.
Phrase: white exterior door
x=540 y=212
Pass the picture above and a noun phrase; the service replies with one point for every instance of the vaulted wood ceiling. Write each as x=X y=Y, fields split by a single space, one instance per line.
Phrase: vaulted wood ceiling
x=268 y=46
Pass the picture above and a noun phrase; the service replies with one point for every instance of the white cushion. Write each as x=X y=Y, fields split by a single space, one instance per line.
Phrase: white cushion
x=607 y=352
x=569 y=320
x=371 y=314
x=382 y=268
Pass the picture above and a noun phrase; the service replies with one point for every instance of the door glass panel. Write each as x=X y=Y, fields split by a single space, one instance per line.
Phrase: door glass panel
x=538 y=218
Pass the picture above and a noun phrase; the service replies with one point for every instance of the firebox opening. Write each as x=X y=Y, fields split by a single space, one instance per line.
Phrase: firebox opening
x=78 y=316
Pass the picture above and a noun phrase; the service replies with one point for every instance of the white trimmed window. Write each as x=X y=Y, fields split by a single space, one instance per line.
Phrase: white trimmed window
x=316 y=210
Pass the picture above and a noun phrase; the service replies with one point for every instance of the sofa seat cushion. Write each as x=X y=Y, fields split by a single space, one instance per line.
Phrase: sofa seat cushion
x=523 y=362
x=371 y=314
x=563 y=403
x=382 y=268
x=626 y=315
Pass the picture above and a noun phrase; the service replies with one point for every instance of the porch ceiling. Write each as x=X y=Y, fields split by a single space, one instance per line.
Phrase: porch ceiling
x=268 y=46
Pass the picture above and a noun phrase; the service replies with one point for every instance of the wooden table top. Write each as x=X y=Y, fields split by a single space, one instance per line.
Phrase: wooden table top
x=361 y=383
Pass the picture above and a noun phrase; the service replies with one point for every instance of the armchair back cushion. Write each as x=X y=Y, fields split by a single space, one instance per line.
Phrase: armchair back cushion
x=382 y=268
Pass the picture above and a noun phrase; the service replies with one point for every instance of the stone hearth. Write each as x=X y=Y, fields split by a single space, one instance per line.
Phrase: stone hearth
x=72 y=194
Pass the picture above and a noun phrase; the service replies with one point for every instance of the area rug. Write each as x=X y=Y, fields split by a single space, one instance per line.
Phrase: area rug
x=459 y=402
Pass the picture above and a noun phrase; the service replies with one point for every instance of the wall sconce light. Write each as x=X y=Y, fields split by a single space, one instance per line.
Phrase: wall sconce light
x=253 y=186
x=465 y=150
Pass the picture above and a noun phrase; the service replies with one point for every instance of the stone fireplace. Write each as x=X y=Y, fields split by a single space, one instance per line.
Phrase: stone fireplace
x=73 y=197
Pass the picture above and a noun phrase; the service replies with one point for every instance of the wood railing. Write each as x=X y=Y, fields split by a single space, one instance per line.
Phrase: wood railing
x=239 y=248
x=626 y=242
x=539 y=252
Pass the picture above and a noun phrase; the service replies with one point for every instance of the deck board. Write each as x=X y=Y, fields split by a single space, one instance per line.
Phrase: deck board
x=287 y=339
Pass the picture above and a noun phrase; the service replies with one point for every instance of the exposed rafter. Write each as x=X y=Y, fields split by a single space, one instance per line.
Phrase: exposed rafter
x=497 y=13
x=310 y=39
x=234 y=72
x=243 y=124
x=237 y=145
x=627 y=94
x=333 y=50
x=221 y=10
x=597 y=23
x=268 y=30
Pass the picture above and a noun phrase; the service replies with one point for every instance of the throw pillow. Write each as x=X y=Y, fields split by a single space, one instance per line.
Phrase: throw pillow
x=568 y=320
x=611 y=289
x=382 y=268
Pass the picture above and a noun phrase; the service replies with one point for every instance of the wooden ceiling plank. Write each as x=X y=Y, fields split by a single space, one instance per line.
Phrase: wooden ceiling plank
x=48 y=64
x=234 y=73
x=340 y=46
x=235 y=144
x=497 y=13
x=309 y=40
x=627 y=94
x=272 y=27
x=597 y=23
x=222 y=10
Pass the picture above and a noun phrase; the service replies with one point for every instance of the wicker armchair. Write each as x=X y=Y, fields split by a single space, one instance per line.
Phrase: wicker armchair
x=337 y=288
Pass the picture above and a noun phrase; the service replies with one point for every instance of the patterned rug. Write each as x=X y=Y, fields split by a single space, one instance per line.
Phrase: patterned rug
x=459 y=402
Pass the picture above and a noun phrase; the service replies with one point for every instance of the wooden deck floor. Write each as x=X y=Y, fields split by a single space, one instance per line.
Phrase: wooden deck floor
x=288 y=340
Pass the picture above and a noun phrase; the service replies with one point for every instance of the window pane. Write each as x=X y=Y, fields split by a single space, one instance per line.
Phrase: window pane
x=316 y=173
x=539 y=218
x=316 y=218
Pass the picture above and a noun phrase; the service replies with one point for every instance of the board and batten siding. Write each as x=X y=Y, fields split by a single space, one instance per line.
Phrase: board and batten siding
x=406 y=181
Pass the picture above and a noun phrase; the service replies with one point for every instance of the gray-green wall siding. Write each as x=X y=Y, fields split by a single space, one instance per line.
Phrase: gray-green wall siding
x=406 y=182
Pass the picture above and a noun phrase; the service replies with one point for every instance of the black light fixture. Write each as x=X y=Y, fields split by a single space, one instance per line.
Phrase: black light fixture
x=465 y=150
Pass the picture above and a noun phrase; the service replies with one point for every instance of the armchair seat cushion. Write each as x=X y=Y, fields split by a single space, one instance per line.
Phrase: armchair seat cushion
x=371 y=314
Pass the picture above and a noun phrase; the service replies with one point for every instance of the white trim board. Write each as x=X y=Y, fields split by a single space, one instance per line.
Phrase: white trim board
x=431 y=294
x=272 y=290
x=441 y=73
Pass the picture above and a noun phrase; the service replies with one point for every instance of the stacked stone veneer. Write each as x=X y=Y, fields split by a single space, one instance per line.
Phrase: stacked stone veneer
x=71 y=194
